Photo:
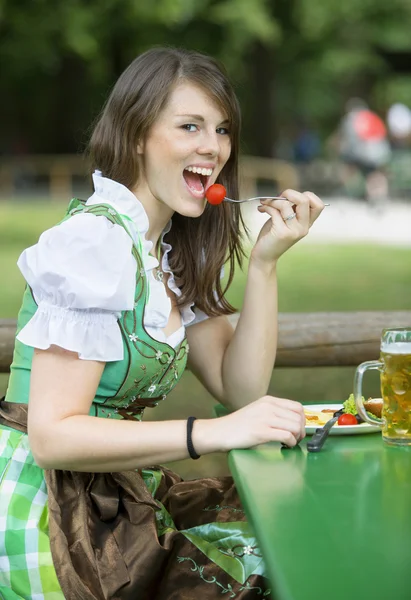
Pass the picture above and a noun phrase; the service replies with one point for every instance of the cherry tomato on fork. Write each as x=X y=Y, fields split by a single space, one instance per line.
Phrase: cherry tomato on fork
x=347 y=419
x=216 y=193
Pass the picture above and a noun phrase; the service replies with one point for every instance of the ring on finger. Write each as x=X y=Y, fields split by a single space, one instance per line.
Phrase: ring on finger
x=292 y=216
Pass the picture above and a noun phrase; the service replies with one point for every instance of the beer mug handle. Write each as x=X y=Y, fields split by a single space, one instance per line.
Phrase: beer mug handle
x=358 y=395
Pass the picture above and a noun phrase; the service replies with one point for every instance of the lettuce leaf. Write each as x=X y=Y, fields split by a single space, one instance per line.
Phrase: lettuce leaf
x=349 y=406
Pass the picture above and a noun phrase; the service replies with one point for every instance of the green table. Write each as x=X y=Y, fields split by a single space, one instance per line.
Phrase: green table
x=335 y=525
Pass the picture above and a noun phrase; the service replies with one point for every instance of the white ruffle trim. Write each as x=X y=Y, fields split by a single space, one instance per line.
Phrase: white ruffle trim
x=85 y=262
x=82 y=274
x=187 y=314
x=158 y=308
x=93 y=334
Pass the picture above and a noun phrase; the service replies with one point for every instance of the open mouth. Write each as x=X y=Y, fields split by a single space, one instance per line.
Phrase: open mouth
x=197 y=180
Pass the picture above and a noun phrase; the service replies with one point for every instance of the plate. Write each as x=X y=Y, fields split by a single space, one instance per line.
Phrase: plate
x=339 y=429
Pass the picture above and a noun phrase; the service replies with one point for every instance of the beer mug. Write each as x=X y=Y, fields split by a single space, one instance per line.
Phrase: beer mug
x=395 y=376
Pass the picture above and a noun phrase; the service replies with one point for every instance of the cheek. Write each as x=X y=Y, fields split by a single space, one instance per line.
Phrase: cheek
x=226 y=152
x=155 y=157
x=154 y=150
x=163 y=150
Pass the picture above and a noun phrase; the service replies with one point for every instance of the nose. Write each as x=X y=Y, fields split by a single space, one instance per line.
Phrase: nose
x=209 y=143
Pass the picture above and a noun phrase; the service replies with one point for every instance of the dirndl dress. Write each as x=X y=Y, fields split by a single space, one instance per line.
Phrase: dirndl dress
x=133 y=535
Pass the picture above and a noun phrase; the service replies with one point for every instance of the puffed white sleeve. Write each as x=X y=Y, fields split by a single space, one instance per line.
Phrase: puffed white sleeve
x=82 y=274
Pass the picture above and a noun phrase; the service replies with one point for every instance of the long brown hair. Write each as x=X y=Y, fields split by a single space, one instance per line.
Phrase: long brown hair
x=200 y=246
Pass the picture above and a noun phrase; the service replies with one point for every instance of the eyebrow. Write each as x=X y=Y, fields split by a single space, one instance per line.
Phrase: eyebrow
x=201 y=119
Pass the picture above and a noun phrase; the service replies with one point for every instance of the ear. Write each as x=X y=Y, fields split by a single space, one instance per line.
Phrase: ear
x=140 y=147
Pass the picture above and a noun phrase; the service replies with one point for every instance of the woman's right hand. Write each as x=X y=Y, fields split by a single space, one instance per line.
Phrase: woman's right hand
x=268 y=419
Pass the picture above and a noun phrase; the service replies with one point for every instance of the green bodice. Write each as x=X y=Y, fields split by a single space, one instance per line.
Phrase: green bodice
x=149 y=368
x=205 y=514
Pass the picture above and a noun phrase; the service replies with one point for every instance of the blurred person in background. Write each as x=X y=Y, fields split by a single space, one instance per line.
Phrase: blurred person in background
x=117 y=294
x=399 y=129
x=307 y=144
x=399 y=125
x=362 y=144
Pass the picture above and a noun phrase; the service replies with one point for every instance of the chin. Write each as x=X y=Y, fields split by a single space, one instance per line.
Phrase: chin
x=192 y=209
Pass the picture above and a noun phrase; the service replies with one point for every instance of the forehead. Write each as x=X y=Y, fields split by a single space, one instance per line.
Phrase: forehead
x=190 y=99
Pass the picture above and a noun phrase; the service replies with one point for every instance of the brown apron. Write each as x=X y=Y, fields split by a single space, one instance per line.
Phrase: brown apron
x=104 y=538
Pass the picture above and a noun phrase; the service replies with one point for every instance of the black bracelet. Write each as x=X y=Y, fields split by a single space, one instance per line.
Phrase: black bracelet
x=193 y=454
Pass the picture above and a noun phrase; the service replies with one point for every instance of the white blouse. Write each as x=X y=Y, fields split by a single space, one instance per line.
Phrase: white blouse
x=82 y=274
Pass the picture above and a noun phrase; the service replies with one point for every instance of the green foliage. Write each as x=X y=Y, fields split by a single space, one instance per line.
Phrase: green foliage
x=350 y=39
x=37 y=34
x=356 y=21
x=62 y=57
x=243 y=23
x=394 y=88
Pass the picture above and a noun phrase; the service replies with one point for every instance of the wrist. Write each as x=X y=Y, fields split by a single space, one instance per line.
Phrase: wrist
x=259 y=266
x=206 y=436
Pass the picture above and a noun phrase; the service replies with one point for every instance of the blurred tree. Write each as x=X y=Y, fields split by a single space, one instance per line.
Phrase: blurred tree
x=334 y=50
x=289 y=58
x=58 y=59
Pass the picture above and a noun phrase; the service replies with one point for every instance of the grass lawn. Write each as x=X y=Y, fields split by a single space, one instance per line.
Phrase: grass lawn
x=311 y=278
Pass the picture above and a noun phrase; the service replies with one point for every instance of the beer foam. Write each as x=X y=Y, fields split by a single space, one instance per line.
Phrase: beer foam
x=396 y=348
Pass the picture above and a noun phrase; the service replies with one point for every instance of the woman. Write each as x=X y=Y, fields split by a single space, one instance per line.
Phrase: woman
x=116 y=294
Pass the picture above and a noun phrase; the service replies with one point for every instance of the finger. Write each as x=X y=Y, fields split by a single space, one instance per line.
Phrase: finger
x=283 y=217
x=285 y=437
x=292 y=408
x=316 y=206
x=286 y=413
x=277 y=219
x=293 y=427
x=299 y=200
x=286 y=403
x=284 y=207
x=303 y=432
x=302 y=204
x=315 y=201
x=289 y=214
x=296 y=417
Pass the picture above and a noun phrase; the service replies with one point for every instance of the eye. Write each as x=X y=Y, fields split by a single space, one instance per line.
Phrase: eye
x=223 y=131
x=189 y=127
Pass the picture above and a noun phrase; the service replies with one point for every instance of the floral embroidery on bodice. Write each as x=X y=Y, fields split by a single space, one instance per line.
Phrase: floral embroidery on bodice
x=150 y=368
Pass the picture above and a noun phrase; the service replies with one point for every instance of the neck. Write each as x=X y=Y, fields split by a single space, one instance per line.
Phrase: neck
x=158 y=216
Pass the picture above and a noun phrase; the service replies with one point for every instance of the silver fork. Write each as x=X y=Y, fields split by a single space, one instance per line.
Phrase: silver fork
x=256 y=198
x=261 y=198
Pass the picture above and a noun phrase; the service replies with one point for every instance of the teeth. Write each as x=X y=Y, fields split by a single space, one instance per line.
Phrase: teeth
x=200 y=171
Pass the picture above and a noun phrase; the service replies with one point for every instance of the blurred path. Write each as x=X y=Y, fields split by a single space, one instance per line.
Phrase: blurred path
x=348 y=221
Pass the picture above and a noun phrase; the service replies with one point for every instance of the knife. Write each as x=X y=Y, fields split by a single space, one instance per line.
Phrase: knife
x=321 y=434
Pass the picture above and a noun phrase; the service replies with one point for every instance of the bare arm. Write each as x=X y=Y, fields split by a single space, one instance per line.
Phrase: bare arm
x=63 y=436
x=236 y=367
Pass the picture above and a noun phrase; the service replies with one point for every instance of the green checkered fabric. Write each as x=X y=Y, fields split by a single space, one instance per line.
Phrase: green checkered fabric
x=26 y=566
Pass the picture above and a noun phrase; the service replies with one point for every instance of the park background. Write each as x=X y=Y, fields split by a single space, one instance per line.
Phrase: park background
x=294 y=63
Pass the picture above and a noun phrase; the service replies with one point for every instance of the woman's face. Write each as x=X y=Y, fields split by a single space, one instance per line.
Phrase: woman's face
x=184 y=151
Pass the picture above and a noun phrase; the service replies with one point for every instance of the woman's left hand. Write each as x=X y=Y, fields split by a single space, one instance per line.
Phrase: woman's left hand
x=290 y=220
